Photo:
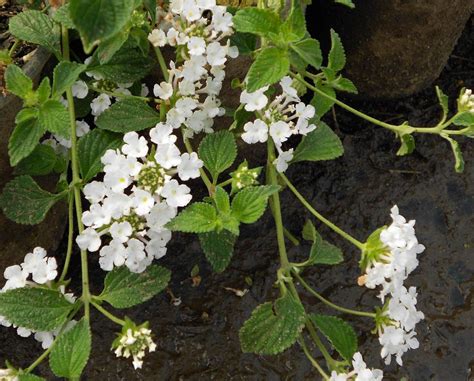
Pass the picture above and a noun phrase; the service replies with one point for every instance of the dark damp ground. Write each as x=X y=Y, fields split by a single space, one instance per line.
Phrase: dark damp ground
x=198 y=340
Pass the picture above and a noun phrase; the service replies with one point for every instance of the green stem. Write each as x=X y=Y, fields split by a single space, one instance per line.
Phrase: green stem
x=119 y=95
x=308 y=206
x=311 y=358
x=319 y=343
x=161 y=61
x=224 y=183
x=203 y=174
x=70 y=237
x=291 y=237
x=40 y=359
x=13 y=48
x=107 y=314
x=76 y=179
x=329 y=303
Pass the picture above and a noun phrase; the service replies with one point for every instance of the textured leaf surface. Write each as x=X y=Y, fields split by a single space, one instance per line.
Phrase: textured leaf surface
x=294 y=27
x=309 y=50
x=128 y=115
x=17 y=81
x=322 y=252
x=337 y=55
x=273 y=327
x=40 y=162
x=218 y=248
x=91 y=147
x=125 y=289
x=256 y=21
x=62 y=15
x=24 y=202
x=23 y=140
x=34 y=308
x=54 y=117
x=218 y=151
x=321 y=103
x=196 y=218
x=270 y=66
x=250 y=203
x=64 y=75
x=71 y=351
x=338 y=332
x=30 y=377
x=320 y=144
x=458 y=157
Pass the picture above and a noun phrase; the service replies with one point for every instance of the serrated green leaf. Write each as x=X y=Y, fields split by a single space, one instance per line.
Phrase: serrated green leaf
x=30 y=377
x=24 y=202
x=54 y=117
x=97 y=20
x=40 y=162
x=218 y=151
x=320 y=144
x=64 y=75
x=337 y=55
x=443 y=101
x=270 y=65
x=128 y=115
x=458 y=157
x=63 y=16
x=24 y=138
x=321 y=103
x=34 y=308
x=218 y=248
x=17 y=82
x=222 y=200
x=112 y=45
x=309 y=51
x=71 y=351
x=44 y=90
x=250 y=203
x=124 y=289
x=196 y=218
x=36 y=27
x=464 y=119
x=343 y=84
x=245 y=42
x=339 y=333
x=256 y=21
x=347 y=3
x=309 y=231
x=273 y=327
x=91 y=147
x=322 y=252
x=407 y=145
x=294 y=27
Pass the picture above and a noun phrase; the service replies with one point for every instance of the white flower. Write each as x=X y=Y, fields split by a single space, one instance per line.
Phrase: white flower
x=221 y=20
x=136 y=146
x=206 y=4
x=142 y=201
x=254 y=101
x=89 y=240
x=177 y=195
x=196 y=46
x=160 y=215
x=137 y=260
x=280 y=132
x=216 y=54
x=82 y=128
x=100 y=104
x=133 y=342
x=39 y=266
x=164 y=90
x=112 y=255
x=281 y=162
x=94 y=191
x=168 y=155
x=157 y=38
x=79 y=89
x=360 y=372
x=15 y=276
x=191 y=10
x=256 y=131
x=117 y=181
x=189 y=166
x=303 y=127
x=290 y=91
x=162 y=134
x=121 y=231
x=156 y=247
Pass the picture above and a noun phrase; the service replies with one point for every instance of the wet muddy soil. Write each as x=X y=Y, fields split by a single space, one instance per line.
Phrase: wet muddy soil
x=198 y=340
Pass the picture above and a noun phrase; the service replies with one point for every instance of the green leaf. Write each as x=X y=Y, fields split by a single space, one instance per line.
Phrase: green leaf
x=322 y=252
x=294 y=27
x=273 y=327
x=40 y=162
x=250 y=203
x=320 y=102
x=17 y=82
x=407 y=145
x=36 y=27
x=309 y=50
x=337 y=56
x=24 y=138
x=245 y=42
x=43 y=91
x=96 y=20
x=127 y=65
x=62 y=16
x=218 y=248
x=222 y=200
x=343 y=84
x=464 y=119
x=218 y=151
x=196 y=218
x=30 y=377
x=458 y=157
x=258 y=21
x=54 y=117
x=71 y=351
x=320 y=144
x=24 y=202
x=39 y=309
x=112 y=45
x=64 y=76
x=124 y=289
x=270 y=65
x=347 y=3
x=339 y=333
x=128 y=115
x=443 y=101
x=91 y=147
x=150 y=6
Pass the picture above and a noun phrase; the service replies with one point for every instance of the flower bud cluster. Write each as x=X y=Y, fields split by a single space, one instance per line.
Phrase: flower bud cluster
x=285 y=116
x=359 y=373
x=137 y=197
x=466 y=101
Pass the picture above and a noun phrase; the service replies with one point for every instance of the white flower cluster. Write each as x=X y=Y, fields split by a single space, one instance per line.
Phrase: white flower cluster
x=285 y=116
x=42 y=270
x=8 y=375
x=359 y=373
x=390 y=270
x=136 y=198
x=466 y=100
x=194 y=86
x=134 y=342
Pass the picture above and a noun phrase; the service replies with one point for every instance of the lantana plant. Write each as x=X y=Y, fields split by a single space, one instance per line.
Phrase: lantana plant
x=126 y=151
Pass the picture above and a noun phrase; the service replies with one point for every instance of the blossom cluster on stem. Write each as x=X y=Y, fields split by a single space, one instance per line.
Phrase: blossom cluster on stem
x=360 y=372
